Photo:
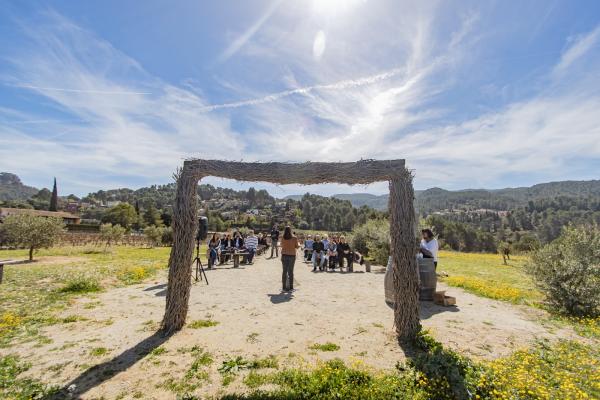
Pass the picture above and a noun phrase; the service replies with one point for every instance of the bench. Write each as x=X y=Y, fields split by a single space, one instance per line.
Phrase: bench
x=7 y=262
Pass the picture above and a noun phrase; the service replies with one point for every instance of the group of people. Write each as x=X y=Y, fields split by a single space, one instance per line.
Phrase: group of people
x=322 y=251
x=325 y=252
x=222 y=247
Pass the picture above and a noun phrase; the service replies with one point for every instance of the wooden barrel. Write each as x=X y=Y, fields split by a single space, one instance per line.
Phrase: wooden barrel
x=427 y=279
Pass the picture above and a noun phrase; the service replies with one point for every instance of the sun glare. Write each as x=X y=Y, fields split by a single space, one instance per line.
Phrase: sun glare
x=333 y=7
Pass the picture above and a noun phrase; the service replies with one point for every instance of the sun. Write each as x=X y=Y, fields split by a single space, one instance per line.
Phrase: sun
x=333 y=7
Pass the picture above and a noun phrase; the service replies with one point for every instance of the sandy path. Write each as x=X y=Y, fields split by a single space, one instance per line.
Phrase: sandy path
x=256 y=320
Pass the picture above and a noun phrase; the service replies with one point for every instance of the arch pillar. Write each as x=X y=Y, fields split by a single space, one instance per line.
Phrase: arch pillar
x=185 y=227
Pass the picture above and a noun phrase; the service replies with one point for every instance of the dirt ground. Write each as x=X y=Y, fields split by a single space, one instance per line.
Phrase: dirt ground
x=256 y=320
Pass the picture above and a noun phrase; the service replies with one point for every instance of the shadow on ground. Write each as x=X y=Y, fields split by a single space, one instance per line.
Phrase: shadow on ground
x=98 y=374
x=160 y=293
x=428 y=309
x=278 y=298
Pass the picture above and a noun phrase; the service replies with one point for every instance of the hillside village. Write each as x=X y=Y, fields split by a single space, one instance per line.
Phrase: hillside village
x=466 y=220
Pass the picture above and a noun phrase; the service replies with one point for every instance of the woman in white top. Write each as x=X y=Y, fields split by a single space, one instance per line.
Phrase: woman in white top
x=429 y=246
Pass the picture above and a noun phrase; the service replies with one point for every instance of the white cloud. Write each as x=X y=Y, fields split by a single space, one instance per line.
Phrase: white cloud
x=361 y=93
x=578 y=49
x=112 y=127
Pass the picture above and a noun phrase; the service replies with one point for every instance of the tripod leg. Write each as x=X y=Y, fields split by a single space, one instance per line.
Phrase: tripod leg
x=202 y=272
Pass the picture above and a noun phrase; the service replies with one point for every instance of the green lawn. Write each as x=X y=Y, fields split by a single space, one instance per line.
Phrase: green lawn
x=33 y=293
x=486 y=275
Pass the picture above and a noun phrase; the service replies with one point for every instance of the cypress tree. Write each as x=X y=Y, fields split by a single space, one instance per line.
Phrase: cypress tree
x=54 y=198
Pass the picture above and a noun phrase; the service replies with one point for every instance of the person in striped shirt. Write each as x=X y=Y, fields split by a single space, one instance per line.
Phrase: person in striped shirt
x=251 y=244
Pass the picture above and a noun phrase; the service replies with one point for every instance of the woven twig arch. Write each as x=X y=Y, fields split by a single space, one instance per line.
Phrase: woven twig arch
x=402 y=224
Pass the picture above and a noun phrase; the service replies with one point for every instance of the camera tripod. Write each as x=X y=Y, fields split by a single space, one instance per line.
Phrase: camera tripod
x=199 y=268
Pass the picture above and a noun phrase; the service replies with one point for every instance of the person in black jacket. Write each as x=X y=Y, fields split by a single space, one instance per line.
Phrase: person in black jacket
x=274 y=241
x=226 y=246
x=318 y=254
x=344 y=251
x=238 y=240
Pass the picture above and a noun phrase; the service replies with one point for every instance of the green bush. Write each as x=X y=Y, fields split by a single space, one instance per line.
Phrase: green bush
x=447 y=373
x=372 y=239
x=325 y=346
x=567 y=271
x=202 y=323
x=153 y=235
x=167 y=236
x=81 y=284
x=332 y=380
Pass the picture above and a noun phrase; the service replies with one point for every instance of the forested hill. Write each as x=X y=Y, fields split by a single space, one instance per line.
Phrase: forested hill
x=436 y=199
x=11 y=188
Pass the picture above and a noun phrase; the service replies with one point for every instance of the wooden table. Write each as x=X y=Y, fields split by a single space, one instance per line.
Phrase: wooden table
x=236 y=258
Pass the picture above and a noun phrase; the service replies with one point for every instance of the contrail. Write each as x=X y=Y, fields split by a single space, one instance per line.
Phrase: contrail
x=345 y=84
x=238 y=43
x=79 y=90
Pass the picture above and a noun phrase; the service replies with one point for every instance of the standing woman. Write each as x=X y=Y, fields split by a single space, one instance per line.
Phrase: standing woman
x=289 y=244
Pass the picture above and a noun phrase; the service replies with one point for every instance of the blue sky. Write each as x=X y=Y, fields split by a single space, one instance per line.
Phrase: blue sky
x=106 y=94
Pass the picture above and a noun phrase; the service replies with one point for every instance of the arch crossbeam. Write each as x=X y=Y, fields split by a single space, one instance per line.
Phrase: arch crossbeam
x=308 y=173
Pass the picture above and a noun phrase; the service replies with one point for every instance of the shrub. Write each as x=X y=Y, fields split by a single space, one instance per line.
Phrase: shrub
x=325 y=346
x=267 y=362
x=447 y=374
x=233 y=365
x=81 y=284
x=202 y=323
x=332 y=380
x=153 y=235
x=372 y=239
x=99 y=351
x=527 y=242
x=567 y=271
x=167 y=236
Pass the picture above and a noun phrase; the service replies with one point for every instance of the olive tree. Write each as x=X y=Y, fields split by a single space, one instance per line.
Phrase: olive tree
x=567 y=271
x=111 y=233
x=153 y=235
x=32 y=232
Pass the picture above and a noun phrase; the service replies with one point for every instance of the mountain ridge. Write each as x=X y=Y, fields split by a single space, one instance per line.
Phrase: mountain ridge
x=428 y=200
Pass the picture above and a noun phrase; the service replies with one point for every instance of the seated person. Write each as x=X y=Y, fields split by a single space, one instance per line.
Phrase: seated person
x=308 y=248
x=318 y=254
x=332 y=254
x=226 y=247
x=214 y=245
x=345 y=252
x=251 y=244
x=238 y=241
x=358 y=258
x=429 y=246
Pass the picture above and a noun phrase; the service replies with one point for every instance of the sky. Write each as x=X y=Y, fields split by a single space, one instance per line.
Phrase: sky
x=473 y=94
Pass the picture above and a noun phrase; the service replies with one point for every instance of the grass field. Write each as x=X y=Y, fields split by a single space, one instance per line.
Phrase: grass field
x=32 y=293
x=486 y=275
x=37 y=294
